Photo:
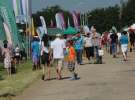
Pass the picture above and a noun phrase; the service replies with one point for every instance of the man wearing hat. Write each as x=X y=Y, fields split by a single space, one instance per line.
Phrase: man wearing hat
x=57 y=48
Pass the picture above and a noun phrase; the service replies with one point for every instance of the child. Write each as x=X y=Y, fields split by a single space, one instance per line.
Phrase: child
x=71 y=59
x=13 y=65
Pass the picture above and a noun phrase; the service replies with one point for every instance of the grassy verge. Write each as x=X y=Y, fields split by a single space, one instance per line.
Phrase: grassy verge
x=12 y=86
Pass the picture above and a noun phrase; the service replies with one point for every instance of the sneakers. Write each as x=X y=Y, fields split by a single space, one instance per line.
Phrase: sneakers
x=74 y=77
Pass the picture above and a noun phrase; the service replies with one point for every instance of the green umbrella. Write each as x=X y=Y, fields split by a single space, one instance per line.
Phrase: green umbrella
x=70 y=31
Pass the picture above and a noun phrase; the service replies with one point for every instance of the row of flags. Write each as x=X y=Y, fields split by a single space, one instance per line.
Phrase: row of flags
x=22 y=9
x=60 y=22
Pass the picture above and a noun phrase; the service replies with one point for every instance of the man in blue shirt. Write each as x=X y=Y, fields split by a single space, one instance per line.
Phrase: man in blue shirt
x=124 y=44
x=35 y=47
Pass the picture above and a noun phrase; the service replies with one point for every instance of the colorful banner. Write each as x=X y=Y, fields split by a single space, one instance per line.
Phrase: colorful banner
x=15 y=7
x=43 y=24
x=32 y=28
x=2 y=31
x=75 y=19
x=60 y=22
x=6 y=13
x=8 y=34
x=22 y=9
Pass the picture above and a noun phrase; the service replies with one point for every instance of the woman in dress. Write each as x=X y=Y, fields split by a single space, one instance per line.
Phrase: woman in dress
x=7 y=59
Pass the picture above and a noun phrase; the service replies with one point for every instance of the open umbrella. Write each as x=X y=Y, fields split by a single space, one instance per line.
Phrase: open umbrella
x=70 y=31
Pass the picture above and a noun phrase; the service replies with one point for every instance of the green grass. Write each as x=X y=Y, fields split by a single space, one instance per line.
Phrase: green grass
x=12 y=86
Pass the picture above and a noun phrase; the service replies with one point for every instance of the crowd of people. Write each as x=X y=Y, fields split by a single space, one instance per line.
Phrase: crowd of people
x=11 y=56
x=116 y=43
x=69 y=51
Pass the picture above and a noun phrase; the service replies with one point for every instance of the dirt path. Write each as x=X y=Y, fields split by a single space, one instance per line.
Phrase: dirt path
x=114 y=80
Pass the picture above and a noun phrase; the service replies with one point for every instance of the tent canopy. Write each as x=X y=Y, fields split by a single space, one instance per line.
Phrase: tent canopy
x=54 y=31
x=70 y=31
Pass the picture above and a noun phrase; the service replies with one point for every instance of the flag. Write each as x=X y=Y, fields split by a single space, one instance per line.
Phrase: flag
x=9 y=19
x=40 y=32
x=68 y=22
x=75 y=19
x=60 y=22
x=32 y=27
x=43 y=24
x=52 y=24
x=8 y=33
x=15 y=8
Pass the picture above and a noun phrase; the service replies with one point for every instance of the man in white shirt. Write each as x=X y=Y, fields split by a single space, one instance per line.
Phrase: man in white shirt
x=57 y=48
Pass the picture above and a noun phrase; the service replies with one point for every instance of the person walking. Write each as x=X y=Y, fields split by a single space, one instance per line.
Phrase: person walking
x=35 y=47
x=96 y=43
x=57 y=50
x=88 y=47
x=17 y=54
x=71 y=54
x=114 y=42
x=45 y=55
x=124 y=44
x=132 y=40
x=79 y=46
x=7 y=58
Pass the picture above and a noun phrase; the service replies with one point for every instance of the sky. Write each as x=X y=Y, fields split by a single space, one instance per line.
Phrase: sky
x=71 y=5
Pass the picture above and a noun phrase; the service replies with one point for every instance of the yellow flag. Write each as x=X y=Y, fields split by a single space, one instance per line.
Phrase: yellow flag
x=32 y=28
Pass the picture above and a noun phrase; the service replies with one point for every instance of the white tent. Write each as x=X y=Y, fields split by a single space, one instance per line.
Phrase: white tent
x=132 y=26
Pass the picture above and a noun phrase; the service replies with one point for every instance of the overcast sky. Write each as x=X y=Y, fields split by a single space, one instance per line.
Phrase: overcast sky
x=79 y=5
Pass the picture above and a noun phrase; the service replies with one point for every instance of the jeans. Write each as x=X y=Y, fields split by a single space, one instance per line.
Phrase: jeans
x=79 y=53
x=114 y=48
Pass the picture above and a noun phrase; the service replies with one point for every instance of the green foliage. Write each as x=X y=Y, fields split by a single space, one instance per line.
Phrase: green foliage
x=17 y=83
x=128 y=13
x=104 y=18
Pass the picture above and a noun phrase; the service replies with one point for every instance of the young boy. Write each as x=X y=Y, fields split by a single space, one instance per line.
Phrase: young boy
x=71 y=59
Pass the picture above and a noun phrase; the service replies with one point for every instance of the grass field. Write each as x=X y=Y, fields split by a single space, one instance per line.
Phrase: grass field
x=12 y=86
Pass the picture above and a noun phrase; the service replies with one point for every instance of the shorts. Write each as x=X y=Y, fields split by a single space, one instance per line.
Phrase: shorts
x=71 y=66
x=35 y=59
x=124 y=47
x=58 y=62
x=45 y=59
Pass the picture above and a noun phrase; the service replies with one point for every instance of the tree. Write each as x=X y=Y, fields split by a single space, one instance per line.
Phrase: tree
x=103 y=19
x=128 y=13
